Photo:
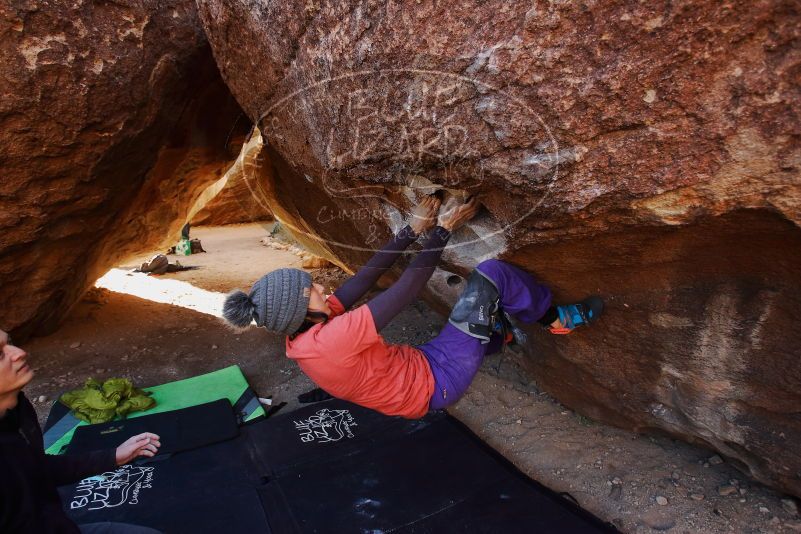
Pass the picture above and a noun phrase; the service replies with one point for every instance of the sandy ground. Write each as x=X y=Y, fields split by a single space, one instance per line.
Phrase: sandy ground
x=170 y=331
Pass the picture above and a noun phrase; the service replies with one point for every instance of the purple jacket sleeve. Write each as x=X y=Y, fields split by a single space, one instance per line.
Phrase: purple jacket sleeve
x=67 y=469
x=357 y=285
x=403 y=292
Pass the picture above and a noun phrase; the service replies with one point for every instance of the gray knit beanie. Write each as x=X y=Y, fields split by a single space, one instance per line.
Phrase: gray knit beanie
x=278 y=301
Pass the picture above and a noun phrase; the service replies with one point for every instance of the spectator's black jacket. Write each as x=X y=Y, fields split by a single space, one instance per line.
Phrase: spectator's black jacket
x=29 y=501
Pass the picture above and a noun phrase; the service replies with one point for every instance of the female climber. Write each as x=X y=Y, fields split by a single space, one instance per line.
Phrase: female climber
x=342 y=351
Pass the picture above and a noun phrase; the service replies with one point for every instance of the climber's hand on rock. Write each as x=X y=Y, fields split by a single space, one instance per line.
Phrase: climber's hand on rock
x=456 y=215
x=424 y=215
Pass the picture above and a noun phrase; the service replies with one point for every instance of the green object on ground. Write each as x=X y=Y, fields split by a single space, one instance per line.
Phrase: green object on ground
x=97 y=403
x=184 y=247
x=227 y=383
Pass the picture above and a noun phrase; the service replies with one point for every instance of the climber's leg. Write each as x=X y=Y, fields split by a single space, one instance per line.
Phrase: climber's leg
x=455 y=355
x=521 y=295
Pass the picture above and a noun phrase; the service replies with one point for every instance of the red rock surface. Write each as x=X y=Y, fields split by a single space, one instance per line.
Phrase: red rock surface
x=648 y=152
x=237 y=198
x=113 y=118
x=228 y=208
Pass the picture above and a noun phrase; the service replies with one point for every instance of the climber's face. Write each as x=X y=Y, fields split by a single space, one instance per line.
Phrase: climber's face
x=318 y=301
x=15 y=372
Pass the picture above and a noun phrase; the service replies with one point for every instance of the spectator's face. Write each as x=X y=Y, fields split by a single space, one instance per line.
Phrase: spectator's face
x=14 y=369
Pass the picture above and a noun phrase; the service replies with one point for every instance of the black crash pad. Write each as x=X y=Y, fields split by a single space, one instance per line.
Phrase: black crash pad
x=333 y=467
x=178 y=430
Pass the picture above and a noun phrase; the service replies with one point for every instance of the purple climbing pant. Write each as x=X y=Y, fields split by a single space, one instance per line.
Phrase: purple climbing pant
x=455 y=357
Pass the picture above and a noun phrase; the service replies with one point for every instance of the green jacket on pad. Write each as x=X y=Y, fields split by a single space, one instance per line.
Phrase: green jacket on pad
x=100 y=402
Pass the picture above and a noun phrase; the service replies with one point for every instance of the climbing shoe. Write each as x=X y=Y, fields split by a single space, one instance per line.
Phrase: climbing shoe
x=574 y=315
x=510 y=334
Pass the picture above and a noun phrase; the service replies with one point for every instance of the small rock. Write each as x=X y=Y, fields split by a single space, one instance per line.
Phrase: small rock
x=675 y=475
x=774 y=520
x=100 y=370
x=75 y=345
x=763 y=510
x=616 y=480
x=795 y=525
x=519 y=421
x=790 y=506
x=727 y=490
x=666 y=483
x=616 y=492
x=697 y=496
x=213 y=347
x=715 y=460
x=658 y=521
x=315 y=263
x=743 y=491
x=661 y=501
x=42 y=398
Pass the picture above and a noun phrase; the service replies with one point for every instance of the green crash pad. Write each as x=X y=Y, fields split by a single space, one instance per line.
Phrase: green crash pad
x=228 y=383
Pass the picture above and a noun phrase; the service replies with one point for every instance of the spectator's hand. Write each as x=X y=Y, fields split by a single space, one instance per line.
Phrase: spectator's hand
x=424 y=215
x=456 y=215
x=146 y=445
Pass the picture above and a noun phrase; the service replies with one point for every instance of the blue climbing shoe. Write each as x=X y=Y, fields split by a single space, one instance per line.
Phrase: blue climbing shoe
x=574 y=315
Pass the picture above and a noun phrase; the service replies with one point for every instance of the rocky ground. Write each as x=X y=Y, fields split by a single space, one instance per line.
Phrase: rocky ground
x=169 y=332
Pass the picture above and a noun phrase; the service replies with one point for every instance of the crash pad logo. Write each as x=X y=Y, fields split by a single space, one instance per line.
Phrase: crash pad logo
x=326 y=426
x=114 y=488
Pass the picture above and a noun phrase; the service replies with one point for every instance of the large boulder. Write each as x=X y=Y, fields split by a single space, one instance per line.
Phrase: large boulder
x=648 y=152
x=237 y=197
x=113 y=119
